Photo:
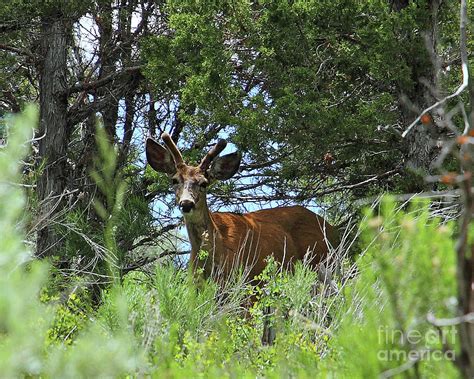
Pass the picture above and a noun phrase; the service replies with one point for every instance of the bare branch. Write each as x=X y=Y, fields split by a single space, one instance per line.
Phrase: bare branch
x=147 y=260
x=102 y=82
x=16 y=50
x=404 y=367
x=440 y=322
x=159 y=233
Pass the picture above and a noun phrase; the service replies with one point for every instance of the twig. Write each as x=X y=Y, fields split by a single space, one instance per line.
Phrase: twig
x=147 y=260
x=404 y=367
x=163 y=230
x=440 y=322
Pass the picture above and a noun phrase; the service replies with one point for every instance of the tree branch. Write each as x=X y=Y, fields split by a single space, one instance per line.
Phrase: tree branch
x=440 y=322
x=87 y=86
x=151 y=238
x=16 y=50
x=147 y=260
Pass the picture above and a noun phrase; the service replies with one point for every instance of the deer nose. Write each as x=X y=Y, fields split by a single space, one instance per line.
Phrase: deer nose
x=186 y=205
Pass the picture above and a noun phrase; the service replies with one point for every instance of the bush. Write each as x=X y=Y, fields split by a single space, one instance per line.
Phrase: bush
x=407 y=272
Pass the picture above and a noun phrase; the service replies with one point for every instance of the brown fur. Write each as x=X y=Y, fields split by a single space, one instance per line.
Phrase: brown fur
x=234 y=240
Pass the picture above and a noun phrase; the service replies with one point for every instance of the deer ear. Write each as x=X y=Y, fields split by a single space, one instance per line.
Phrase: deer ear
x=159 y=158
x=225 y=167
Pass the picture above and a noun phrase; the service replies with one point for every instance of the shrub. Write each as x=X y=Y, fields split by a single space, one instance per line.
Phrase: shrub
x=407 y=272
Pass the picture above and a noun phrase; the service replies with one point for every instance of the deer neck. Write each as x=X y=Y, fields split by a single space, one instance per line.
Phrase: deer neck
x=200 y=227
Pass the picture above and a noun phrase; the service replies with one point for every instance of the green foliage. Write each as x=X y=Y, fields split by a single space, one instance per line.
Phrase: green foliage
x=112 y=187
x=3 y=131
x=185 y=332
x=180 y=301
x=44 y=8
x=70 y=317
x=290 y=81
x=23 y=321
x=280 y=289
x=407 y=272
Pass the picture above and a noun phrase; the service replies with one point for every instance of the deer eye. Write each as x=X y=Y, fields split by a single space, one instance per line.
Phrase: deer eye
x=174 y=181
x=203 y=184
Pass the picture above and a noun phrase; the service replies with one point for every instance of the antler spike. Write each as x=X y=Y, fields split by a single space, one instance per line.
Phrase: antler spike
x=214 y=152
x=177 y=157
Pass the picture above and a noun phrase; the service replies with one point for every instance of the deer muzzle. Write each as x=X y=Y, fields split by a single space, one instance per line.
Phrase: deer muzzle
x=186 y=205
x=186 y=200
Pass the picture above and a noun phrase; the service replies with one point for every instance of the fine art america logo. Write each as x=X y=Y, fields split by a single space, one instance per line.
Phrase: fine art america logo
x=414 y=345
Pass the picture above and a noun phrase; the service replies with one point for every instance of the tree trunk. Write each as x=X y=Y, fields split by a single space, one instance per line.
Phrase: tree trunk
x=465 y=245
x=108 y=56
x=52 y=129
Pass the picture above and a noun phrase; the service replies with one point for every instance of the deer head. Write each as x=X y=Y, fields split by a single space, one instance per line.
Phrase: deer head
x=190 y=182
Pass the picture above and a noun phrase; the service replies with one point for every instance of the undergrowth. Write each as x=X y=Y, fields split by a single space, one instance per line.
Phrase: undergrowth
x=157 y=325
